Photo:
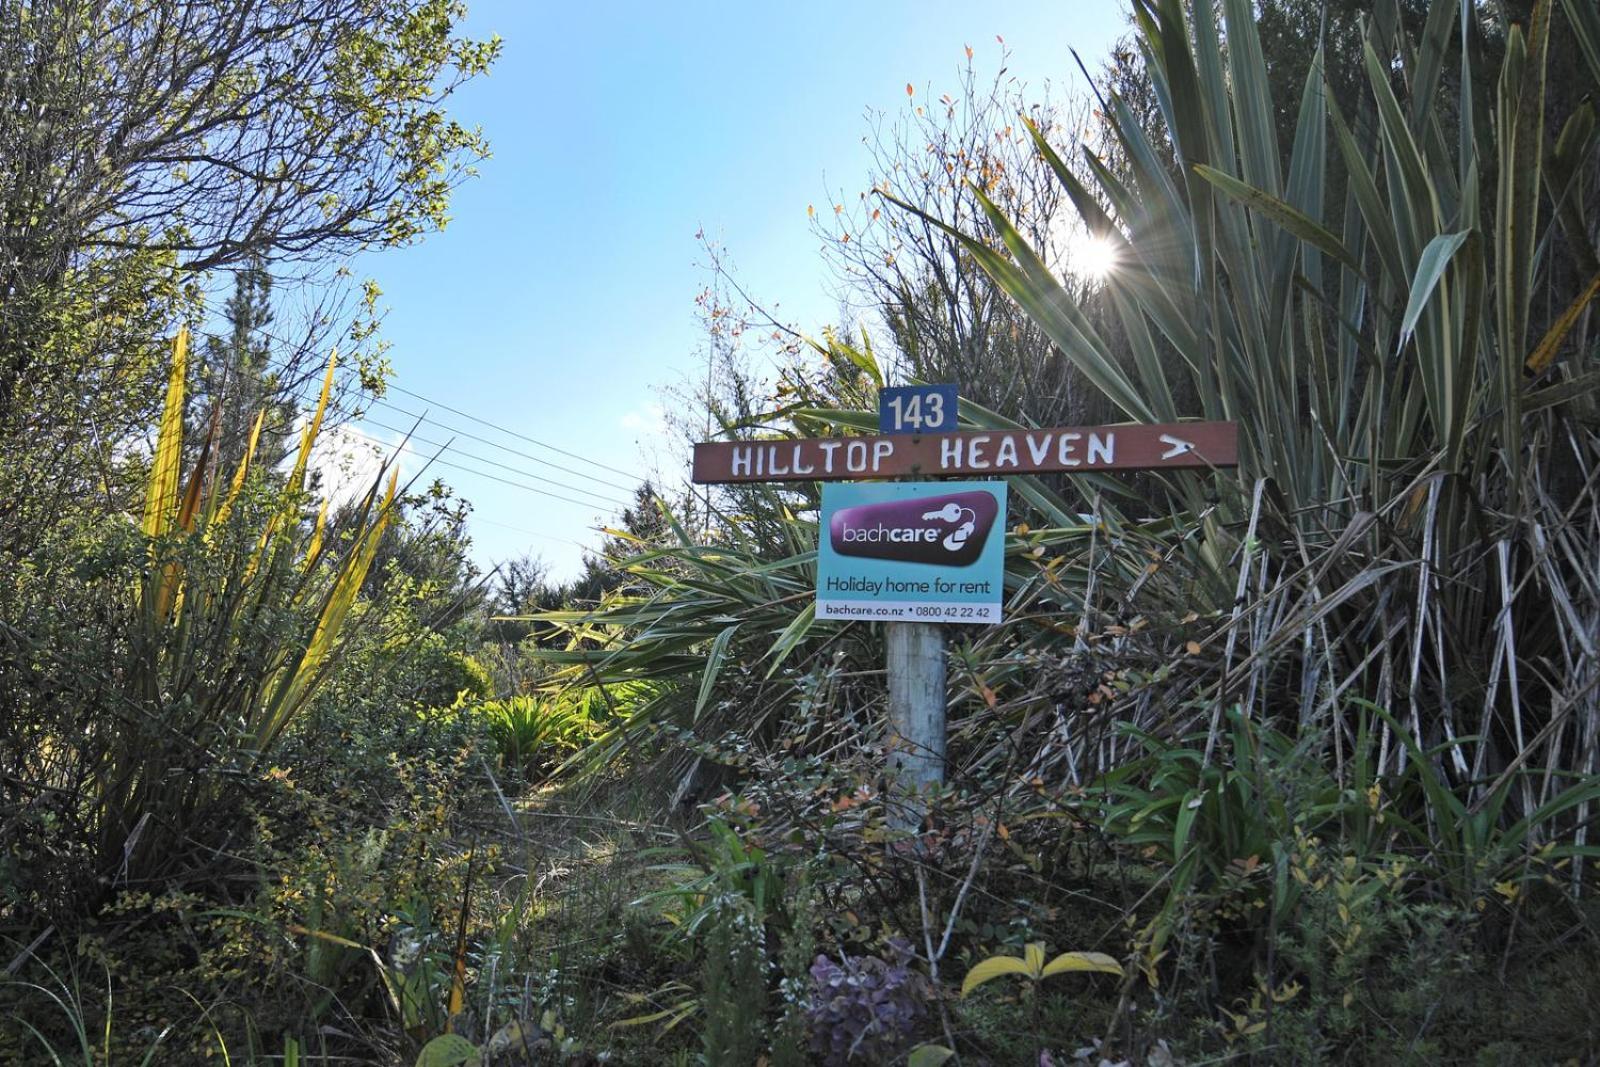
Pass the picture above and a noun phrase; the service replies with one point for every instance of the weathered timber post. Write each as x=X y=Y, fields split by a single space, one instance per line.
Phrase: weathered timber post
x=917 y=697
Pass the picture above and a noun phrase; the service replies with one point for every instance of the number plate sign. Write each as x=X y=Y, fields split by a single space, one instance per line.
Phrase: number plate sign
x=917 y=409
x=912 y=551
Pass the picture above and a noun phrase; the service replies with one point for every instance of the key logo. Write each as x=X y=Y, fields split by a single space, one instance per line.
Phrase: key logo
x=948 y=530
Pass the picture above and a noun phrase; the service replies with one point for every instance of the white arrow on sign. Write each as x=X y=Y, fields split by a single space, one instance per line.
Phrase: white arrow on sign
x=1179 y=446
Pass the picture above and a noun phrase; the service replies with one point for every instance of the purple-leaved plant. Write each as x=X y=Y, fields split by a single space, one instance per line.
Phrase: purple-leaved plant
x=864 y=1009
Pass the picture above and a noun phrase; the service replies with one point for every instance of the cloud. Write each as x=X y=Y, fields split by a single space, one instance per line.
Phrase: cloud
x=651 y=420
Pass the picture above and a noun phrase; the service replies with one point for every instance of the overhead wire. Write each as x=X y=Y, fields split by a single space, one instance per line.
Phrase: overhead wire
x=493 y=463
x=518 y=485
x=597 y=502
x=287 y=364
x=493 y=444
x=309 y=383
x=302 y=399
x=514 y=433
x=532 y=533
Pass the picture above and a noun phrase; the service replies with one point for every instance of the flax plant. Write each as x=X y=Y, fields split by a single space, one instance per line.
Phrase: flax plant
x=239 y=614
x=1412 y=371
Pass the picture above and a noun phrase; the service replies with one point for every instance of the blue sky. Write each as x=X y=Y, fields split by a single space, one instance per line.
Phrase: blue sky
x=560 y=299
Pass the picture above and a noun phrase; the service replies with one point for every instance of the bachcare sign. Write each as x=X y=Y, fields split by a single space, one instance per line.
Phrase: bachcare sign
x=912 y=551
x=981 y=452
x=930 y=552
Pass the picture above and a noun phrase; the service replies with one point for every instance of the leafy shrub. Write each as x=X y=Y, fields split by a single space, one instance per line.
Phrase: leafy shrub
x=796 y=948
x=1358 y=961
x=1215 y=824
x=865 y=1008
x=530 y=735
x=730 y=865
x=445 y=676
x=332 y=930
x=157 y=675
x=734 y=985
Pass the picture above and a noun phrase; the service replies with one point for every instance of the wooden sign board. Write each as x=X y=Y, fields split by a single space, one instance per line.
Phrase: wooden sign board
x=986 y=453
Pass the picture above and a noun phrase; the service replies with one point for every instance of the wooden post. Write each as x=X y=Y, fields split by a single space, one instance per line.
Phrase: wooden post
x=916 y=716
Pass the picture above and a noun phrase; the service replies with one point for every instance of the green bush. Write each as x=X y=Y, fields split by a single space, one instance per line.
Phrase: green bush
x=734 y=985
x=531 y=735
x=156 y=675
x=443 y=676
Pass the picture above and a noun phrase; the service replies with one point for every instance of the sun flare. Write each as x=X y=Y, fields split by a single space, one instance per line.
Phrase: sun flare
x=1092 y=257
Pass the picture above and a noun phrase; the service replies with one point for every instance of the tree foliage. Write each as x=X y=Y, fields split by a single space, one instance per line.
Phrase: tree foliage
x=150 y=142
x=222 y=132
x=943 y=319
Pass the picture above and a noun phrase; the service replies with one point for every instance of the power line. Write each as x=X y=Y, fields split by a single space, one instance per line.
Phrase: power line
x=492 y=463
x=518 y=485
x=514 y=433
x=493 y=444
x=286 y=364
x=531 y=533
x=597 y=501
x=476 y=518
x=309 y=379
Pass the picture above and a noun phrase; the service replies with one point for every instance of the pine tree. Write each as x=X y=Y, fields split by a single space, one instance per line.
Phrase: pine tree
x=238 y=379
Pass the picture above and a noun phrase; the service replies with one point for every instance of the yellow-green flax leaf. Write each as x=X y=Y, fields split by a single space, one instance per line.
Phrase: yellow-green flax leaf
x=1286 y=215
x=1430 y=270
x=194 y=495
x=1519 y=128
x=262 y=543
x=1545 y=353
x=169 y=594
x=314 y=548
x=161 y=493
x=308 y=437
x=1252 y=97
x=298 y=683
x=242 y=473
x=1584 y=22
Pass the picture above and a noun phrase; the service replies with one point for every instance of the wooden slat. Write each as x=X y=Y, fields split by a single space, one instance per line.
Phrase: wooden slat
x=984 y=453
